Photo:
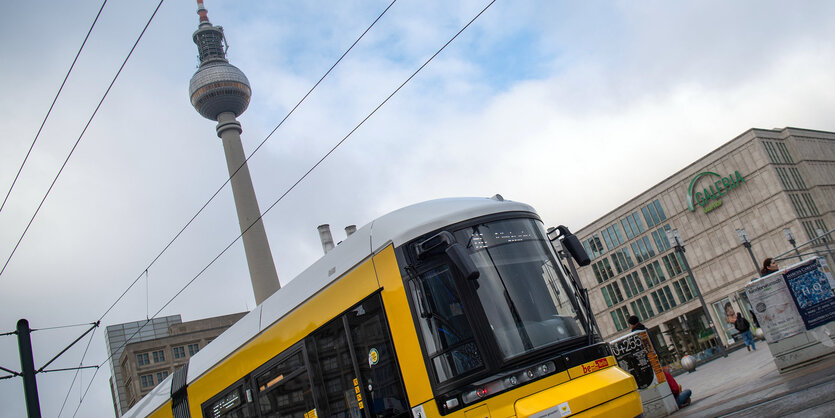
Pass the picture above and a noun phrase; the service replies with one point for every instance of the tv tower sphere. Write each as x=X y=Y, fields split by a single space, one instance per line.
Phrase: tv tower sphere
x=217 y=86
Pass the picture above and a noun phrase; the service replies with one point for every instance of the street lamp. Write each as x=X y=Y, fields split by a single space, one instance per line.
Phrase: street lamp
x=674 y=237
x=789 y=236
x=743 y=238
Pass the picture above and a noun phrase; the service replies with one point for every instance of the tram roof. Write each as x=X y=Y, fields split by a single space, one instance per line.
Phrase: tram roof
x=397 y=228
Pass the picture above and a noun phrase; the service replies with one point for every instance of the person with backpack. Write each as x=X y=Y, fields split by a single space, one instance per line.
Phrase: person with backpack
x=744 y=329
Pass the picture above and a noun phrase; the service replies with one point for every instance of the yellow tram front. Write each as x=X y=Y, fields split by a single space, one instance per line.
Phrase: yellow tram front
x=503 y=328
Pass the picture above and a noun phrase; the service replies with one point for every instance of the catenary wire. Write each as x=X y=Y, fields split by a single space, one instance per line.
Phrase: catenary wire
x=48 y=112
x=81 y=363
x=63 y=326
x=79 y=137
x=296 y=183
x=217 y=192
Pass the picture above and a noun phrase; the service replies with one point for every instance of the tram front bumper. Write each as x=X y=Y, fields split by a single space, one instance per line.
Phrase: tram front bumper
x=609 y=392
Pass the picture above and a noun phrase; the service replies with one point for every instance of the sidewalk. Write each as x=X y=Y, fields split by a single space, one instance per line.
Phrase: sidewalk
x=747 y=383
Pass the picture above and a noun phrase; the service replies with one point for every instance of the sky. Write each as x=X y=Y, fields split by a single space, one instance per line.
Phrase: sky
x=571 y=107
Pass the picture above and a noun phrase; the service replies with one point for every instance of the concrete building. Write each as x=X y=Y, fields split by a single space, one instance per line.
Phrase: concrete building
x=117 y=337
x=156 y=351
x=764 y=182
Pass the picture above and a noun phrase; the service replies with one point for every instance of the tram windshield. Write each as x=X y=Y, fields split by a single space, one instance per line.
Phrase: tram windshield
x=526 y=300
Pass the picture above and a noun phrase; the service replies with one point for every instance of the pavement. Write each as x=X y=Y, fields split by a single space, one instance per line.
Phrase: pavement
x=747 y=384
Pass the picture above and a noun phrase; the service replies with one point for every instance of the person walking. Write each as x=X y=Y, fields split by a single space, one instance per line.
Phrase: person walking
x=769 y=266
x=744 y=329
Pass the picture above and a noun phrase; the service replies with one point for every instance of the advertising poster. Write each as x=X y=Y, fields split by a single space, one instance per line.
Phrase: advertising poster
x=774 y=307
x=727 y=316
x=811 y=290
x=634 y=353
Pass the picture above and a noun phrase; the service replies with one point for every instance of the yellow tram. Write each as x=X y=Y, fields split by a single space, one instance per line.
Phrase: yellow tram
x=453 y=308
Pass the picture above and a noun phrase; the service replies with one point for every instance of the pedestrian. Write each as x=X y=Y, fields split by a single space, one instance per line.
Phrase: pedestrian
x=682 y=396
x=635 y=324
x=769 y=266
x=744 y=329
x=754 y=317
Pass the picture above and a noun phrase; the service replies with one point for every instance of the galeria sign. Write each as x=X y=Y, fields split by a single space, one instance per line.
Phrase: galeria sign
x=709 y=197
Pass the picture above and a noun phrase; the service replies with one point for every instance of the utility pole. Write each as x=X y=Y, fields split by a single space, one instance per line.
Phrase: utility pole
x=27 y=365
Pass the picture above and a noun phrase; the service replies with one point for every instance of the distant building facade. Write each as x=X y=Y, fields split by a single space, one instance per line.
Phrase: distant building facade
x=763 y=181
x=117 y=337
x=144 y=362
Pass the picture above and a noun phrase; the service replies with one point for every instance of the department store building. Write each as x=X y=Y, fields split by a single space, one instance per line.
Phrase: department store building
x=768 y=183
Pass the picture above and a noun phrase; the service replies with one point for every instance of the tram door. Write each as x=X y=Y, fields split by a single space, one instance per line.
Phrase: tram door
x=356 y=367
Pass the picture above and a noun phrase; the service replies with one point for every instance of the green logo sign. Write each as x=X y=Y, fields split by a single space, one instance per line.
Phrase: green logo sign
x=709 y=197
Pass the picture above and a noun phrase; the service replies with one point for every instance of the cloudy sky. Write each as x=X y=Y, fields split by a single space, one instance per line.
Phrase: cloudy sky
x=572 y=107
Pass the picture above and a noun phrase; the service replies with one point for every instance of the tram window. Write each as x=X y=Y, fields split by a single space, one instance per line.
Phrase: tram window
x=447 y=335
x=336 y=370
x=284 y=389
x=521 y=291
x=379 y=373
x=231 y=404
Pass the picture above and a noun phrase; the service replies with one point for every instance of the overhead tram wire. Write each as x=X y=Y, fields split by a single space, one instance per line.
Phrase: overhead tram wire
x=296 y=183
x=217 y=192
x=89 y=121
x=77 y=371
x=48 y=112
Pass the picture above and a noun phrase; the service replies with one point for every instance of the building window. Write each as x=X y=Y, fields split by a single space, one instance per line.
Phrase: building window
x=622 y=260
x=619 y=317
x=653 y=274
x=612 y=294
x=683 y=289
x=631 y=284
x=810 y=203
x=179 y=352
x=663 y=299
x=142 y=359
x=147 y=381
x=673 y=264
x=642 y=308
x=784 y=151
x=798 y=179
x=161 y=376
x=159 y=356
x=193 y=349
x=653 y=213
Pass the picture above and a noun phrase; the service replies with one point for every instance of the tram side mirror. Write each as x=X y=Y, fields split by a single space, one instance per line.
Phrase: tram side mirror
x=456 y=253
x=571 y=244
x=462 y=261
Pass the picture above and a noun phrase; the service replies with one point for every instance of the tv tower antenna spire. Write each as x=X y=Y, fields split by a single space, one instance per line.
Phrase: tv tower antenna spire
x=220 y=91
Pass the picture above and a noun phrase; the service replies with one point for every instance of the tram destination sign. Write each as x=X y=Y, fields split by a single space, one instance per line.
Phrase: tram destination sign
x=707 y=193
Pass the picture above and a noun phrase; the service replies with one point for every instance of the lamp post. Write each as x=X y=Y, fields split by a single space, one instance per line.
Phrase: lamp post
x=789 y=236
x=674 y=237
x=743 y=238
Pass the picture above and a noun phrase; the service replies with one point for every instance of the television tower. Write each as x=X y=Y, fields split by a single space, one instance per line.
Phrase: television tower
x=220 y=92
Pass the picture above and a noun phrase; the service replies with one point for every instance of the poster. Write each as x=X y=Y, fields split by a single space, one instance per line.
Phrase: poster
x=634 y=353
x=774 y=307
x=727 y=316
x=812 y=292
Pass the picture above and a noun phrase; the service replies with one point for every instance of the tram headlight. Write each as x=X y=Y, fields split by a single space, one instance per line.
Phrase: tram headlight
x=505 y=383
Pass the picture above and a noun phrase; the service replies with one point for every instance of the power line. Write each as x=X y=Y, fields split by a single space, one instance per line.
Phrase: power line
x=217 y=192
x=296 y=183
x=52 y=105
x=77 y=372
x=79 y=138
